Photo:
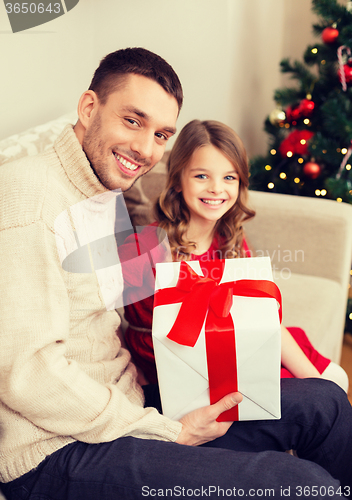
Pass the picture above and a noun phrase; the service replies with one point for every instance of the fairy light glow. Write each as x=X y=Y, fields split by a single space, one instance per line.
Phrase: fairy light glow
x=314 y=50
x=300 y=160
x=344 y=151
x=283 y=175
x=268 y=167
x=273 y=151
x=348 y=166
x=317 y=192
x=271 y=185
x=339 y=200
x=297 y=180
x=306 y=121
x=289 y=154
x=323 y=192
x=303 y=141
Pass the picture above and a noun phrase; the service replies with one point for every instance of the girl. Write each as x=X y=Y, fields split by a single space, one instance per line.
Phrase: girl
x=202 y=210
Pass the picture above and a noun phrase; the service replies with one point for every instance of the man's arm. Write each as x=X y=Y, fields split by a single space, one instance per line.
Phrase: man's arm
x=37 y=377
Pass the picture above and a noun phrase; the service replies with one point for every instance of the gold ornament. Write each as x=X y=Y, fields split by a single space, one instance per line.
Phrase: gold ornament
x=277 y=116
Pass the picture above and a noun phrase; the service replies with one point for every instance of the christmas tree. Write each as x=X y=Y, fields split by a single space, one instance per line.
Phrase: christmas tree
x=310 y=130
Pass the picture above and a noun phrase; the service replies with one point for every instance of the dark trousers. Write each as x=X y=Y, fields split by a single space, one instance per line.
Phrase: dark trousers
x=249 y=461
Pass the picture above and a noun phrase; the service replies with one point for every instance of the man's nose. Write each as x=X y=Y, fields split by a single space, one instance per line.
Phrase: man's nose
x=144 y=144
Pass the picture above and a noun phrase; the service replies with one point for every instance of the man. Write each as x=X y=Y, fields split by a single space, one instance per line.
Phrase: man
x=73 y=420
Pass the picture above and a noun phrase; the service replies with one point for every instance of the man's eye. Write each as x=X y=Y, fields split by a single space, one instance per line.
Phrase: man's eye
x=159 y=135
x=131 y=121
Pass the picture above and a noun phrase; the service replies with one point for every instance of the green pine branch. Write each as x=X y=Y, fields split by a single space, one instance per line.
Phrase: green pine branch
x=330 y=10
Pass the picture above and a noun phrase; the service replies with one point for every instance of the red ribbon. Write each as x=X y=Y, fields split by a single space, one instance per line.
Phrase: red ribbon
x=200 y=295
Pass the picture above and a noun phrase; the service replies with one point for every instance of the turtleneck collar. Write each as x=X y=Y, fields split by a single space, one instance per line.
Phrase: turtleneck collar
x=76 y=164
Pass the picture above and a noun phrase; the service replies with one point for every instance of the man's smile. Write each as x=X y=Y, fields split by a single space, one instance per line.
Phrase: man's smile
x=127 y=164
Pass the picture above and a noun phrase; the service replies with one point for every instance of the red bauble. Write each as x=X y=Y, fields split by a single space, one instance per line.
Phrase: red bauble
x=330 y=35
x=306 y=107
x=348 y=73
x=312 y=169
x=292 y=113
x=296 y=142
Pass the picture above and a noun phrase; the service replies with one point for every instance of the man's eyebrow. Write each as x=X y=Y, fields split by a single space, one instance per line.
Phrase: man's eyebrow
x=136 y=111
x=145 y=116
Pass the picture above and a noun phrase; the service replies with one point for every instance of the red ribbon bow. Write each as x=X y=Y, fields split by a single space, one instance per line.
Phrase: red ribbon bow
x=200 y=295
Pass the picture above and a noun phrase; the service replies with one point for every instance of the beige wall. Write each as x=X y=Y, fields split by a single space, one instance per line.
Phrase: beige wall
x=226 y=53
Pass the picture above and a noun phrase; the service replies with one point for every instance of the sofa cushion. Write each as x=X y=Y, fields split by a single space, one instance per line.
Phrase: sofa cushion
x=34 y=140
x=302 y=296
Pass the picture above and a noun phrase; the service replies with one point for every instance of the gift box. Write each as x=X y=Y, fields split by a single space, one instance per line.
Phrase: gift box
x=216 y=330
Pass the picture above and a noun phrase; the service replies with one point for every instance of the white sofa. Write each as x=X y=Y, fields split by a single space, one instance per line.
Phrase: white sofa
x=310 y=244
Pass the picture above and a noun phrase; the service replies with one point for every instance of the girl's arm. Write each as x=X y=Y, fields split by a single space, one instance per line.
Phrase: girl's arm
x=294 y=359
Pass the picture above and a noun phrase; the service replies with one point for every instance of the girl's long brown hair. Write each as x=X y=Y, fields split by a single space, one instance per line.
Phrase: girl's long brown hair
x=171 y=210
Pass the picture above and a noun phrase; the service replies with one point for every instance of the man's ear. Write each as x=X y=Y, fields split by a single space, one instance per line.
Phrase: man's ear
x=87 y=106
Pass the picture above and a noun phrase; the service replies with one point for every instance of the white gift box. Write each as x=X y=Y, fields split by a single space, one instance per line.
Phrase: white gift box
x=183 y=370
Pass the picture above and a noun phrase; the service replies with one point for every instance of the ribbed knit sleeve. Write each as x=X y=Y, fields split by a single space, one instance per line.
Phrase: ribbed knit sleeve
x=63 y=373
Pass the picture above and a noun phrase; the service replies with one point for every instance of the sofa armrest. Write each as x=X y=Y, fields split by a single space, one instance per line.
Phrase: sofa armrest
x=309 y=241
x=306 y=235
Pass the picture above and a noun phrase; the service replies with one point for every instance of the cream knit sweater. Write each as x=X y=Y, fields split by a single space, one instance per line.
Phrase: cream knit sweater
x=63 y=373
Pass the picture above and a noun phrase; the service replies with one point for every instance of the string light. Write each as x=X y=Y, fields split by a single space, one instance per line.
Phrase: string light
x=300 y=160
x=324 y=151
x=338 y=150
x=323 y=192
x=303 y=141
x=297 y=180
x=283 y=175
x=273 y=151
x=339 y=200
x=317 y=192
x=287 y=125
x=289 y=154
x=268 y=167
x=306 y=121
x=348 y=166
x=323 y=62
x=271 y=185
x=314 y=50
x=344 y=151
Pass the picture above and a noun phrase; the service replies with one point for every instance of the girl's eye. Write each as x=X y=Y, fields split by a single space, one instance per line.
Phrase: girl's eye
x=201 y=176
x=231 y=178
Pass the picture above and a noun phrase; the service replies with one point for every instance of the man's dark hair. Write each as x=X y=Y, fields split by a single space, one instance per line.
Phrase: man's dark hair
x=114 y=68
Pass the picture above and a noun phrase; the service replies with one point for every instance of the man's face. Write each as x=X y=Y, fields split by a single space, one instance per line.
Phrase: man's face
x=127 y=136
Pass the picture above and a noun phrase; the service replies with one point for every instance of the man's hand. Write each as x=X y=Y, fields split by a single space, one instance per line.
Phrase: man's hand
x=200 y=426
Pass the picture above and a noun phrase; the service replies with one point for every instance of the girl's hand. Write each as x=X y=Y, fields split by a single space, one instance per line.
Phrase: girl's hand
x=200 y=426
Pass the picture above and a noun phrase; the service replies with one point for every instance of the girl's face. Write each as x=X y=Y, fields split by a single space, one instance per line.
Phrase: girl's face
x=209 y=185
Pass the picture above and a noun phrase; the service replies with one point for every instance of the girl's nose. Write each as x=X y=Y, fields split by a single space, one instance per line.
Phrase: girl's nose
x=215 y=187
